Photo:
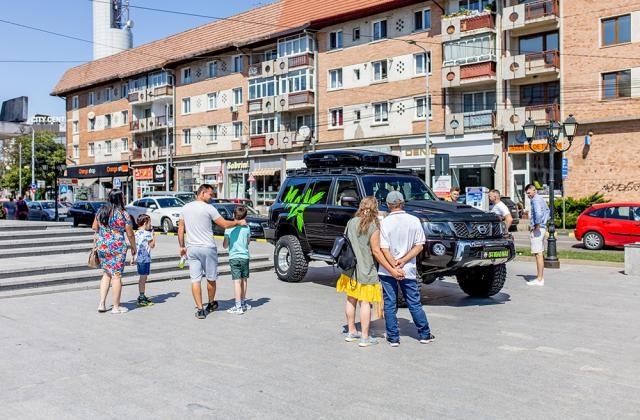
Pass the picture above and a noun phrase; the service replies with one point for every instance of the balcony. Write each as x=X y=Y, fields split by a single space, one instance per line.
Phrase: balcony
x=457 y=124
x=301 y=60
x=147 y=154
x=458 y=26
x=512 y=118
x=264 y=105
x=148 y=124
x=145 y=96
x=534 y=15
x=533 y=64
x=257 y=141
x=300 y=100
x=463 y=75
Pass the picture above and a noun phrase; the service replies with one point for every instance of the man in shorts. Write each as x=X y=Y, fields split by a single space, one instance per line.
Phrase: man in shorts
x=498 y=207
x=196 y=219
x=538 y=230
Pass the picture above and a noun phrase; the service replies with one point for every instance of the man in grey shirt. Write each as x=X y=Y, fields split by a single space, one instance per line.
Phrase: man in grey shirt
x=196 y=220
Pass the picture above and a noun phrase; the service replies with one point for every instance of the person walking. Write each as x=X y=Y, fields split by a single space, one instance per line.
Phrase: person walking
x=538 y=231
x=237 y=240
x=112 y=224
x=401 y=240
x=22 y=209
x=362 y=285
x=200 y=248
x=498 y=207
x=11 y=209
x=145 y=242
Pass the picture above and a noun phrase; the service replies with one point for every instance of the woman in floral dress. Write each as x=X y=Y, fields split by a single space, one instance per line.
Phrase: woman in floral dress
x=112 y=224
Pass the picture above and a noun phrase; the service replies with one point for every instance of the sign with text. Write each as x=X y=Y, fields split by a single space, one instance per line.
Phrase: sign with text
x=442 y=185
x=143 y=172
x=95 y=171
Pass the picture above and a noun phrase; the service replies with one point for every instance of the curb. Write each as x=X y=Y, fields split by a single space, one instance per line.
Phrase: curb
x=215 y=236
x=521 y=258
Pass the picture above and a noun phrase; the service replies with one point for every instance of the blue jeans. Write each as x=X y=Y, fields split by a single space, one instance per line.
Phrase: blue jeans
x=411 y=295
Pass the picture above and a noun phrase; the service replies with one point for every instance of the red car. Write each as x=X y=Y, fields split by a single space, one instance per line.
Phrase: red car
x=610 y=224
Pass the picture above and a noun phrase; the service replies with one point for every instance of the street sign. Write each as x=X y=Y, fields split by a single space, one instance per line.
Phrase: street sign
x=117 y=183
x=442 y=185
x=34 y=186
x=64 y=189
x=41 y=183
x=565 y=168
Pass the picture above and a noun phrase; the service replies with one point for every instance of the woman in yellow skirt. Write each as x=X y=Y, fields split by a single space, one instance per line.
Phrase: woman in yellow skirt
x=363 y=285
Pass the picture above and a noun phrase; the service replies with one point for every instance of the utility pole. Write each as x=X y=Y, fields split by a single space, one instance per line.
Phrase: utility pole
x=20 y=159
x=33 y=156
x=166 y=169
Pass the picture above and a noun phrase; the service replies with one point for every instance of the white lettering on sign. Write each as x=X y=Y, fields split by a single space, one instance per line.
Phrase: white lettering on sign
x=235 y=166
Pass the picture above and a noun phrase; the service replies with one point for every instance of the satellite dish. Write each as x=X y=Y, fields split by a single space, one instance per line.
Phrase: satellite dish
x=304 y=131
x=129 y=24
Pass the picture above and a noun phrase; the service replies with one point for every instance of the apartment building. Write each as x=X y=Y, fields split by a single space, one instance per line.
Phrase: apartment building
x=237 y=102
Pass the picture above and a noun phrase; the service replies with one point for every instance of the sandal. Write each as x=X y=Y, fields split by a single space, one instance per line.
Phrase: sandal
x=102 y=309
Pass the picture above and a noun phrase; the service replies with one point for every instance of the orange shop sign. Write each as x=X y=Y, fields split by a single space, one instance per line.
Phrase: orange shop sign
x=537 y=147
x=144 y=172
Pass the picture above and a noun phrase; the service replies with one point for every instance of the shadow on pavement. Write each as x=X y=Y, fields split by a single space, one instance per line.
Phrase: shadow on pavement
x=223 y=305
x=527 y=277
x=377 y=328
x=157 y=299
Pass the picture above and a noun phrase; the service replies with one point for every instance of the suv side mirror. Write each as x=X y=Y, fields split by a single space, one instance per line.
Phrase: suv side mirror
x=349 y=202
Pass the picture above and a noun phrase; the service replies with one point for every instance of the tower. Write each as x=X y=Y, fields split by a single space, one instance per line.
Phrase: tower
x=111 y=27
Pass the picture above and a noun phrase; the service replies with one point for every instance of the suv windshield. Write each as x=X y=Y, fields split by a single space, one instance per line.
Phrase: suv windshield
x=170 y=202
x=411 y=187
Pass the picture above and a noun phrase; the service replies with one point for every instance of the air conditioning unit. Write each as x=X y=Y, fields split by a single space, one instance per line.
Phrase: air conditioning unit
x=233 y=108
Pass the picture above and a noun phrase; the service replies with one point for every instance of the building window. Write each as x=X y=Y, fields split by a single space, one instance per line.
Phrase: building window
x=302 y=120
x=262 y=126
x=356 y=115
x=92 y=149
x=379 y=70
x=616 y=30
x=92 y=124
x=297 y=81
x=186 y=136
x=212 y=100
x=418 y=104
x=237 y=130
x=107 y=121
x=422 y=20
x=260 y=88
x=335 y=40
x=479 y=101
x=469 y=50
x=335 y=77
x=75 y=127
x=474 y=5
x=294 y=45
x=237 y=96
x=379 y=30
x=539 y=43
x=381 y=112
x=356 y=74
x=616 y=84
x=92 y=98
x=356 y=34
x=540 y=94
x=75 y=102
x=213 y=133
x=335 y=118
x=107 y=94
x=107 y=146
x=186 y=75
x=125 y=117
x=124 y=143
x=213 y=69
x=420 y=62
x=186 y=105
x=238 y=64
x=125 y=90
x=160 y=78
x=76 y=152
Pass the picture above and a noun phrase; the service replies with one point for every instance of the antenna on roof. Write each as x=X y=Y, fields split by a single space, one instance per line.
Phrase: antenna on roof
x=111 y=27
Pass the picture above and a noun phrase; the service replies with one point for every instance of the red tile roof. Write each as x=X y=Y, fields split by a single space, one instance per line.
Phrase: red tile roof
x=249 y=27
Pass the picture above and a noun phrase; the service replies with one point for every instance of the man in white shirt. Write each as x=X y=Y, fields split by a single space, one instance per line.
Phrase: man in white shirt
x=499 y=208
x=401 y=240
x=196 y=219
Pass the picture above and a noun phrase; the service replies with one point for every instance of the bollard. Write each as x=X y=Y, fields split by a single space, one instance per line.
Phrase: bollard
x=632 y=259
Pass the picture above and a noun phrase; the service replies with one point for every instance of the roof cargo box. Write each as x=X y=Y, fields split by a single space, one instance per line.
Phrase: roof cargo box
x=351 y=158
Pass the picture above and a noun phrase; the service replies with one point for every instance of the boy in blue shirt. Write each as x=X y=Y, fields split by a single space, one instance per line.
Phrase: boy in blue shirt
x=145 y=242
x=237 y=240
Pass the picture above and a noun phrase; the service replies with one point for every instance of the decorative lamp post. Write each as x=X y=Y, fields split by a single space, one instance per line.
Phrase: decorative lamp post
x=569 y=127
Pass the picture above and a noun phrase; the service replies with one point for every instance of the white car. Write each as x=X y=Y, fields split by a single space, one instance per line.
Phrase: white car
x=164 y=211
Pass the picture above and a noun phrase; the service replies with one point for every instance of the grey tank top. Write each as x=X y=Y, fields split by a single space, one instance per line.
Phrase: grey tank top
x=366 y=270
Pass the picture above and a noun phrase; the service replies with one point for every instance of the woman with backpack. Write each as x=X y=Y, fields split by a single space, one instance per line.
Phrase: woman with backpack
x=362 y=284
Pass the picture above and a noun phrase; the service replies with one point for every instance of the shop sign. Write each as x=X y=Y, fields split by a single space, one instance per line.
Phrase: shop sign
x=442 y=186
x=144 y=172
x=416 y=152
x=210 y=167
x=537 y=147
x=238 y=166
x=95 y=171
x=160 y=171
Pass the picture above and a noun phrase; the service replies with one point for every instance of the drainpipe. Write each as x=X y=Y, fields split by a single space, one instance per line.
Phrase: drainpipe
x=316 y=113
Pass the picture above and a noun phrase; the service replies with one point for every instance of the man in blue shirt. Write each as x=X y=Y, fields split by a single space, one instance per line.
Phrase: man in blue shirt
x=538 y=230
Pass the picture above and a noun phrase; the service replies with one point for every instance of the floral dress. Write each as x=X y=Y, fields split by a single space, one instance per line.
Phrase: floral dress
x=112 y=248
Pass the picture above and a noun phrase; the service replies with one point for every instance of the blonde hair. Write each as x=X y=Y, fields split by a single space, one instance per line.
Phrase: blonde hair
x=368 y=214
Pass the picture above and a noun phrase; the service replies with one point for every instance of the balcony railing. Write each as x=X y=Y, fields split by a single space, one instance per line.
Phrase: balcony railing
x=254 y=105
x=545 y=59
x=166 y=90
x=471 y=71
x=254 y=70
x=134 y=125
x=133 y=96
x=300 y=60
x=550 y=112
x=479 y=119
x=258 y=141
x=541 y=8
x=300 y=98
x=136 y=154
x=472 y=23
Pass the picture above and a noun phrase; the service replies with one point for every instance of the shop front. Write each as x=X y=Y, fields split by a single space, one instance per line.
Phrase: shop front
x=94 y=182
x=188 y=176
x=236 y=183
x=211 y=173
x=151 y=178
x=265 y=180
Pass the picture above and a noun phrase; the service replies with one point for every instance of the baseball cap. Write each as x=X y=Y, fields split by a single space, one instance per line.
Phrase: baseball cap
x=395 y=197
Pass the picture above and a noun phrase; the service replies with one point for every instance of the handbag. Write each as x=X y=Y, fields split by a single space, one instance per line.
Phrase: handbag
x=94 y=260
x=345 y=258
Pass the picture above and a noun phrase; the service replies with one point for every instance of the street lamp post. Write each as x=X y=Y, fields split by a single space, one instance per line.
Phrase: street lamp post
x=554 y=129
x=427 y=111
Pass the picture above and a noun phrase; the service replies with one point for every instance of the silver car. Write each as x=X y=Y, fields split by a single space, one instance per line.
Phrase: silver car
x=45 y=210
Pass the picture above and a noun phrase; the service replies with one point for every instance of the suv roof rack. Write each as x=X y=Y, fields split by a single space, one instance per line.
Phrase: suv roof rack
x=353 y=158
x=348 y=171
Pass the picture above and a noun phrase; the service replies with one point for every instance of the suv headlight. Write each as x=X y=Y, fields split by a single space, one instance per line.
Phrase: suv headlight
x=437 y=229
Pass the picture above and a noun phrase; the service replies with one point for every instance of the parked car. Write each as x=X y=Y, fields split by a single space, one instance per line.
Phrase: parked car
x=243 y=201
x=164 y=211
x=254 y=219
x=609 y=224
x=45 y=210
x=185 y=196
x=84 y=212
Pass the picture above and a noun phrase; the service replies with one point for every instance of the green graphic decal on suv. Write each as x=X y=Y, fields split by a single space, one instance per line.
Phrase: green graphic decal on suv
x=296 y=204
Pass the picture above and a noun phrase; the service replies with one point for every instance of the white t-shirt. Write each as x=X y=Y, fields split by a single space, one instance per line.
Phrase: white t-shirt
x=198 y=217
x=399 y=232
x=500 y=209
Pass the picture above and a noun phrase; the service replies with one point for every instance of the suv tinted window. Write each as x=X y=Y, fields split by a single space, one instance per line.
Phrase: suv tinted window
x=293 y=187
x=621 y=213
x=345 y=188
x=319 y=191
x=412 y=188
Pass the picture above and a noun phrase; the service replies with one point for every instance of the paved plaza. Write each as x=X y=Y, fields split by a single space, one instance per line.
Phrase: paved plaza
x=567 y=350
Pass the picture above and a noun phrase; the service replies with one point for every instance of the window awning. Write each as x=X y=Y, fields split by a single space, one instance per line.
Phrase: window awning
x=265 y=171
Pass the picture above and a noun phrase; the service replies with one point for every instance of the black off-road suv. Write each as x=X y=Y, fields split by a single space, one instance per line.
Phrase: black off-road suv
x=315 y=204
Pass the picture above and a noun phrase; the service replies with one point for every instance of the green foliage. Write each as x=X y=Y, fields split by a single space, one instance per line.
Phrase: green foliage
x=573 y=208
x=47 y=152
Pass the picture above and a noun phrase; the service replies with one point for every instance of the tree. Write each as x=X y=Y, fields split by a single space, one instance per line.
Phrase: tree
x=48 y=153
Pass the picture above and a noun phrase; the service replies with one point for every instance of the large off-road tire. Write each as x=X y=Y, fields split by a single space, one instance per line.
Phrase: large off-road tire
x=167 y=225
x=593 y=240
x=289 y=260
x=482 y=281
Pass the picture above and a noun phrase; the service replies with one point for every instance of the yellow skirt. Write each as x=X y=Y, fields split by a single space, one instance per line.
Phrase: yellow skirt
x=354 y=289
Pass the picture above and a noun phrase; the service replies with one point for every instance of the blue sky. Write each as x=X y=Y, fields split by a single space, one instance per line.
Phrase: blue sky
x=73 y=17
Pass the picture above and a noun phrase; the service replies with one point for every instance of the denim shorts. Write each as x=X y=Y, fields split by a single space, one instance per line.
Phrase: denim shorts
x=239 y=268
x=144 y=268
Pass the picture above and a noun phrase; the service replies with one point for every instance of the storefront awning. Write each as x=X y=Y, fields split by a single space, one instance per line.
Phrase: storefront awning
x=265 y=171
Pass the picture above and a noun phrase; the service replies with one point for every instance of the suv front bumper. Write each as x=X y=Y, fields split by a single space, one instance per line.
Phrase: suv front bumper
x=465 y=253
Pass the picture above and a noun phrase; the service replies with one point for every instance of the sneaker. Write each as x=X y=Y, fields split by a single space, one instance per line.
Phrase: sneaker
x=237 y=310
x=536 y=282
x=144 y=301
x=428 y=339
x=102 y=309
x=350 y=338
x=201 y=314
x=212 y=306
x=119 y=310
x=366 y=342
x=246 y=306
x=394 y=343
